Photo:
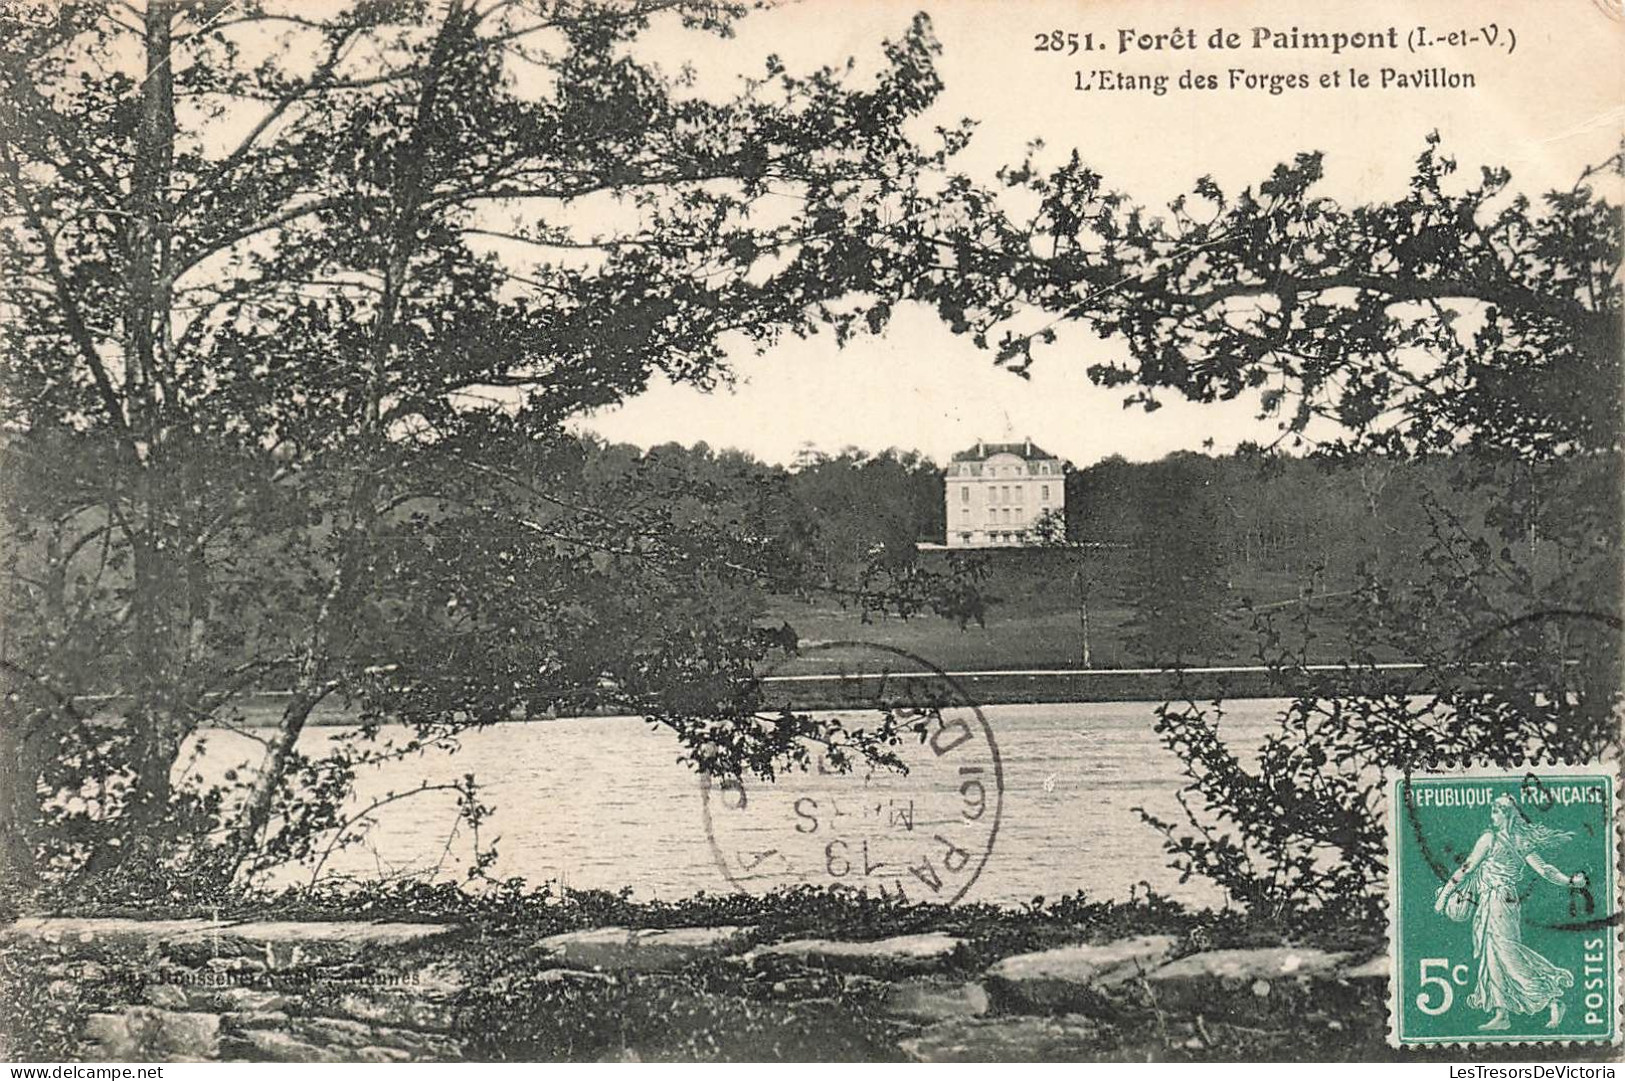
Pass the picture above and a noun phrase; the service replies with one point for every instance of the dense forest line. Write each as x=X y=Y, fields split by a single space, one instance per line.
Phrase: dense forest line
x=1177 y=557
x=1171 y=557
x=1256 y=512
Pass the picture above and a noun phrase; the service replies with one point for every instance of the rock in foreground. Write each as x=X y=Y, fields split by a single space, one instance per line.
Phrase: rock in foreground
x=620 y=949
x=146 y=1034
x=930 y=1001
x=1007 y=1039
x=903 y=953
x=1073 y=978
x=1243 y=983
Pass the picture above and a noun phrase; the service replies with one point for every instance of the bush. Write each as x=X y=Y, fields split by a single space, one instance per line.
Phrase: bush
x=1516 y=630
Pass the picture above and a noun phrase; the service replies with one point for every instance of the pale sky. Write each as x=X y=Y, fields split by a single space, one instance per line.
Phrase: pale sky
x=1551 y=106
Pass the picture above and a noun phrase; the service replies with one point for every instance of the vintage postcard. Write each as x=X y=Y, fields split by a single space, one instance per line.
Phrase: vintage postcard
x=811 y=530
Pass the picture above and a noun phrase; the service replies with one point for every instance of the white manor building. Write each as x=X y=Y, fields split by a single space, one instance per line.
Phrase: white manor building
x=997 y=492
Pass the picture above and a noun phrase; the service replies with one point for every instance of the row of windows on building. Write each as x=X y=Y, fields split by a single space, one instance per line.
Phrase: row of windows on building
x=996 y=515
x=997 y=538
x=994 y=492
x=977 y=469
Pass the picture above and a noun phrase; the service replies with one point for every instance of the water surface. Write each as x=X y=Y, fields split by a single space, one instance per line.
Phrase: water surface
x=602 y=803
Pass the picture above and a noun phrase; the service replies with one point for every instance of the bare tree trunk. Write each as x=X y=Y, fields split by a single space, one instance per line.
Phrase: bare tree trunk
x=157 y=732
x=262 y=796
x=1372 y=483
x=23 y=750
x=1082 y=580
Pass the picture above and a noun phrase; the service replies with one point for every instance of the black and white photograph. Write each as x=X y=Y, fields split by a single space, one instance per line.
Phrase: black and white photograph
x=878 y=531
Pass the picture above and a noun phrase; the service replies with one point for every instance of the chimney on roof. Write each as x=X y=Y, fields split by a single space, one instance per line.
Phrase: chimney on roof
x=1027 y=451
x=978 y=448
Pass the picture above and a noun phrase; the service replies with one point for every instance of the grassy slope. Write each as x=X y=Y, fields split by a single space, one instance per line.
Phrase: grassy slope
x=1034 y=620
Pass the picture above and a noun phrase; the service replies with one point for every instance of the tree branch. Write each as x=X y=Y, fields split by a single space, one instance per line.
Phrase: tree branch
x=77 y=330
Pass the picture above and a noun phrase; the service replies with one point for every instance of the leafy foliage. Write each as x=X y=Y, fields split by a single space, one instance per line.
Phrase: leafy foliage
x=1459 y=314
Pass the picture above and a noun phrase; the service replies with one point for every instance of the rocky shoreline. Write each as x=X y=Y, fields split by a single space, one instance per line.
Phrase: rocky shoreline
x=348 y=991
x=195 y=989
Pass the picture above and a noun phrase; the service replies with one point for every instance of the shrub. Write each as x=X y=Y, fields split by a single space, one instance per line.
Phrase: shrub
x=1515 y=627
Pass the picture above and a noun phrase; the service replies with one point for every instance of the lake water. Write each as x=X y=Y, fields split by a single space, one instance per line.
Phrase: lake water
x=602 y=803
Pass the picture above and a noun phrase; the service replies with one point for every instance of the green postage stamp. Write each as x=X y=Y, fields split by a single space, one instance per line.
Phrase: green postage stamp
x=1503 y=906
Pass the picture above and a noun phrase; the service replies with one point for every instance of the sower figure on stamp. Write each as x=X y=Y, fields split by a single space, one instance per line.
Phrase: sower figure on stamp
x=1512 y=978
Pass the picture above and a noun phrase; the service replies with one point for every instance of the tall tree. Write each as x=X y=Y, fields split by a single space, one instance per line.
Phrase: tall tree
x=324 y=284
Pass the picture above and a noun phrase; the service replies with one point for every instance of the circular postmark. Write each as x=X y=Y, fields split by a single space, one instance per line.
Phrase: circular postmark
x=923 y=833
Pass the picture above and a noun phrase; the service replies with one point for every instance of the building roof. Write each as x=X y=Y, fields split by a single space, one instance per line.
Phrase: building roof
x=1029 y=450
